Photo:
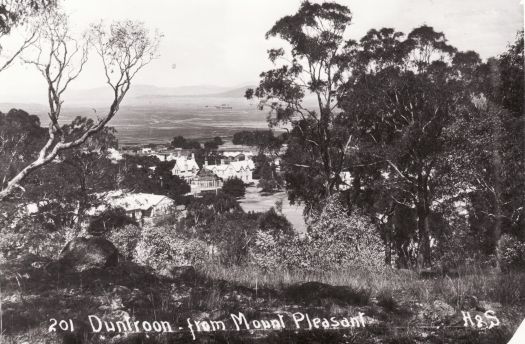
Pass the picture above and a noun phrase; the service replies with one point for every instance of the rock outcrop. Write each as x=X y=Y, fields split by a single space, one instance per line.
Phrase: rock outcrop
x=81 y=254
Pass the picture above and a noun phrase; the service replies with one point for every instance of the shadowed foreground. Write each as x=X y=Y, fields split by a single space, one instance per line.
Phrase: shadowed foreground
x=400 y=308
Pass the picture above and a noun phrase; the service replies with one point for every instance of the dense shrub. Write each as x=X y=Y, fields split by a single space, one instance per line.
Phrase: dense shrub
x=125 y=239
x=265 y=252
x=109 y=220
x=338 y=239
x=33 y=239
x=275 y=224
x=234 y=187
x=203 y=211
x=233 y=235
x=512 y=253
x=335 y=240
x=162 y=247
x=21 y=234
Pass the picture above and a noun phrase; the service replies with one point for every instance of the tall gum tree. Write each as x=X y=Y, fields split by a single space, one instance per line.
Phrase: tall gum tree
x=315 y=66
x=402 y=94
x=15 y=16
x=124 y=47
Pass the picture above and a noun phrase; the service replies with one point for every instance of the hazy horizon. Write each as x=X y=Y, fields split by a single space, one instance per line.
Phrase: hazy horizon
x=222 y=43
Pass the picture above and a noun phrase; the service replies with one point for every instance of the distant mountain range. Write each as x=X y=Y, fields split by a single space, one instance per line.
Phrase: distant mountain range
x=195 y=91
x=138 y=95
x=146 y=93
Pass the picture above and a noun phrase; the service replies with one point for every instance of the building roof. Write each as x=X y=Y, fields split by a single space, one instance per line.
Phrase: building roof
x=133 y=201
x=233 y=154
x=237 y=166
x=206 y=174
x=183 y=164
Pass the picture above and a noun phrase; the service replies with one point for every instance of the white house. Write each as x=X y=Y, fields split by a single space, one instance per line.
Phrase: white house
x=205 y=180
x=235 y=169
x=138 y=206
x=186 y=168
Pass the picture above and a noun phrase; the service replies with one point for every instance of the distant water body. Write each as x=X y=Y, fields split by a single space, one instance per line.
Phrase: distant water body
x=159 y=120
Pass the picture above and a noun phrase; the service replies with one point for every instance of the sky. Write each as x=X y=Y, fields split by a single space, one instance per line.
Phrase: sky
x=222 y=43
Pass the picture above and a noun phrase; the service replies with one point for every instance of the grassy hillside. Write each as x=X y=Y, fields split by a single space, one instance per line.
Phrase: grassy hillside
x=396 y=306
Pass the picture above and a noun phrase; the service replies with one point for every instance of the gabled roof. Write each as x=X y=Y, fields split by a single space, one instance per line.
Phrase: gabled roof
x=237 y=166
x=184 y=164
x=134 y=201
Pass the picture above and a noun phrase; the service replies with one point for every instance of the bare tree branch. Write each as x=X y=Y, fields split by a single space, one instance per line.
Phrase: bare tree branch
x=124 y=47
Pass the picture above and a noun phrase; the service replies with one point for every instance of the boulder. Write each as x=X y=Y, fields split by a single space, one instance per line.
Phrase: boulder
x=81 y=254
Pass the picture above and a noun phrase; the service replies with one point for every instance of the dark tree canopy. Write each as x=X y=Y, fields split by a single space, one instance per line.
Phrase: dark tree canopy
x=21 y=137
x=16 y=12
x=150 y=175
x=234 y=187
x=315 y=67
x=181 y=142
x=265 y=141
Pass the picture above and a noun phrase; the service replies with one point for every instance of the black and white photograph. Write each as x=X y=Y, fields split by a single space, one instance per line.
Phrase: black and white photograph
x=248 y=171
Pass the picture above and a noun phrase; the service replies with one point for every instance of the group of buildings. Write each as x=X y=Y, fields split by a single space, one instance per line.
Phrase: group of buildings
x=209 y=177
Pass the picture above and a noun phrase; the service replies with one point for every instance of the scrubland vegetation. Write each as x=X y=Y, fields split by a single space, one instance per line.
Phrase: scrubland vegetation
x=410 y=168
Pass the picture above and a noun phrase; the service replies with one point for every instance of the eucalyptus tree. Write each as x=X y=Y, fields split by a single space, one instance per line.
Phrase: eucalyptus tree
x=402 y=95
x=124 y=48
x=490 y=151
x=15 y=16
x=301 y=93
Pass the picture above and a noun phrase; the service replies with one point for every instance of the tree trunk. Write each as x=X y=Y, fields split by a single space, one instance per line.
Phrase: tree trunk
x=424 y=237
x=423 y=222
x=498 y=212
x=388 y=243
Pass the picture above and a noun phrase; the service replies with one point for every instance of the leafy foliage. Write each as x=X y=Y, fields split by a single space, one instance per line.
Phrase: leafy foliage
x=512 y=253
x=234 y=187
x=21 y=137
x=316 y=64
x=181 y=142
x=161 y=247
x=109 y=220
x=125 y=238
x=265 y=141
x=150 y=175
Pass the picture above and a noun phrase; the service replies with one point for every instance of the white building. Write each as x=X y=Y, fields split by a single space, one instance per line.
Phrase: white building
x=205 y=180
x=234 y=169
x=186 y=168
x=235 y=154
x=114 y=155
x=138 y=206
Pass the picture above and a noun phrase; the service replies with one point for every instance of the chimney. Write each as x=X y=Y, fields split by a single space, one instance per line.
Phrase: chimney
x=206 y=162
x=192 y=156
x=222 y=161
